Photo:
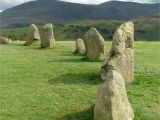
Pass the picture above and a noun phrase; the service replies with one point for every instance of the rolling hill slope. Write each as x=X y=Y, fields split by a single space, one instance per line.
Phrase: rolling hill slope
x=146 y=28
x=43 y=11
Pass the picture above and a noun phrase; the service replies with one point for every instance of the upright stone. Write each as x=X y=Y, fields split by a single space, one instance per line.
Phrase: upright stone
x=4 y=40
x=112 y=101
x=80 y=46
x=94 y=43
x=117 y=70
x=121 y=56
x=47 y=39
x=33 y=35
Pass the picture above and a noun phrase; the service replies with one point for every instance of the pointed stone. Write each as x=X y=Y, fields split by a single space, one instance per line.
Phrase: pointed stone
x=33 y=35
x=80 y=46
x=47 y=39
x=117 y=70
x=112 y=101
x=94 y=43
x=121 y=56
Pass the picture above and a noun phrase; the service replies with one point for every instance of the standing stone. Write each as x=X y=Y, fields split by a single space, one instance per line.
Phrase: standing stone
x=121 y=56
x=112 y=101
x=33 y=35
x=117 y=70
x=47 y=39
x=94 y=43
x=4 y=40
x=80 y=46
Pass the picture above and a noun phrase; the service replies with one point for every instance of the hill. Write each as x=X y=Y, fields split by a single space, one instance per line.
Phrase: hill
x=146 y=28
x=43 y=11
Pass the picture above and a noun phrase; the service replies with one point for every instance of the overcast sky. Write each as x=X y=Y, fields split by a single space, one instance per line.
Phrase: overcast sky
x=5 y=4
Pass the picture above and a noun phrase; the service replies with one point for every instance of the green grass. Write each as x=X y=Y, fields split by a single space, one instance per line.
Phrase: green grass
x=55 y=84
x=60 y=32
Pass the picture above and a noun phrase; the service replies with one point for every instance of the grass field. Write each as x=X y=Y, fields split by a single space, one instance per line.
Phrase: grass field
x=55 y=84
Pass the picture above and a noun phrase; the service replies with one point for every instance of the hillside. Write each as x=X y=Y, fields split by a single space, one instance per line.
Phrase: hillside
x=146 y=28
x=43 y=11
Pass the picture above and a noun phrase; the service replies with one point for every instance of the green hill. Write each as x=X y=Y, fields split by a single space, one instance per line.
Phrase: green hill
x=59 y=12
x=146 y=28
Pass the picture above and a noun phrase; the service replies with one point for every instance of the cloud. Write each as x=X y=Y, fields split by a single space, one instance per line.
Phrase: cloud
x=143 y=1
x=5 y=4
x=86 y=1
x=101 y=1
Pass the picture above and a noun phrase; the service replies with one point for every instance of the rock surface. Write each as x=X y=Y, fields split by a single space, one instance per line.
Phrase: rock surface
x=112 y=101
x=121 y=56
x=33 y=35
x=117 y=70
x=47 y=39
x=4 y=40
x=80 y=46
x=94 y=43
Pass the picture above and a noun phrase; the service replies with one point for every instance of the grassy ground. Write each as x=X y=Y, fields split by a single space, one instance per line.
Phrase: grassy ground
x=54 y=84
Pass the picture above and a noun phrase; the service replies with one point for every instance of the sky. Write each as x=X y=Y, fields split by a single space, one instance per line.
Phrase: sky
x=5 y=4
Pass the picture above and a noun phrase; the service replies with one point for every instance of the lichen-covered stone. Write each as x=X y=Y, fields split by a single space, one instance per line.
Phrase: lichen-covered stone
x=121 y=56
x=94 y=43
x=112 y=101
x=47 y=38
x=117 y=70
x=33 y=35
x=80 y=46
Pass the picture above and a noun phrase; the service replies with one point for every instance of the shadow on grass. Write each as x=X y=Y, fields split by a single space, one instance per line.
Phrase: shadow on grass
x=69 y=54
x=86 y=59
x=87 y=114
x=90 y=79
x=72 y=60
x=40 y=48
x=75 y=59
x=44 y=48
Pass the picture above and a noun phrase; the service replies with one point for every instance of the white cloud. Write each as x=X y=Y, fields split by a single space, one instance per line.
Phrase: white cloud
x=86 y=1
x=5 y=4
x=101 y=1
x=14 y=1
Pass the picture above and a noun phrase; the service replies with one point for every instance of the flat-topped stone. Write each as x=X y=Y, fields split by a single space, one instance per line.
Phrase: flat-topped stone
x=47 y=39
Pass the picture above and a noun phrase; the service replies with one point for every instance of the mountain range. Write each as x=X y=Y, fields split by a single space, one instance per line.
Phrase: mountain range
x=60 y=12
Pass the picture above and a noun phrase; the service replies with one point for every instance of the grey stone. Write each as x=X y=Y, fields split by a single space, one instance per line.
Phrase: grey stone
x=112 y=101
x=47 y=38
x=94 y=43
x=121 y=56
x=33 y=35
x=117 y=70
x=4 y=40
x=80 y=46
